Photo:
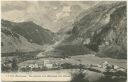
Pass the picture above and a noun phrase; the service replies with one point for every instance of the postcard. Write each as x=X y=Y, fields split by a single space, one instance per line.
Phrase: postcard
x=63 y=41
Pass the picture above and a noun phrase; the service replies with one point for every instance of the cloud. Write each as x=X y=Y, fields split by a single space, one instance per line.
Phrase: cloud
x=13 y=5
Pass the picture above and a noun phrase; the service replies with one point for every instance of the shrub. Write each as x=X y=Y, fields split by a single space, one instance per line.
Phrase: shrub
x=79 y=77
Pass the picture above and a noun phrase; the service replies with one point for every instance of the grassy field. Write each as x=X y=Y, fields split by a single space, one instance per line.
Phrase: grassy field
x=88 y=59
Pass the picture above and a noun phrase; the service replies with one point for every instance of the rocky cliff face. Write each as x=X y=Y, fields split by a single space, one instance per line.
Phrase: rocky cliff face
x=101 y=29
x=23 y=37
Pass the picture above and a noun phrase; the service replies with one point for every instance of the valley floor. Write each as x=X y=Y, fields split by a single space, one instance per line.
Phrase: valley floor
x=83 y=59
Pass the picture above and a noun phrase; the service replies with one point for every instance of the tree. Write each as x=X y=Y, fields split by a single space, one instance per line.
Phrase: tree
x=14 y=65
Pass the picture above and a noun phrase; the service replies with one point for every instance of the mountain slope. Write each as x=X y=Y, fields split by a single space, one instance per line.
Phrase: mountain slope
x=32 y=32
x=13 y=42
x=23 y=37
x=101 y=29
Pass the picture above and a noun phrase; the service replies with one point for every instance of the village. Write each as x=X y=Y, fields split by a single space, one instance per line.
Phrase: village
x=46 y=64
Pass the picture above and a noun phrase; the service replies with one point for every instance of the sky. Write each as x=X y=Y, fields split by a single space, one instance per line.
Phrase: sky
x=52 y=15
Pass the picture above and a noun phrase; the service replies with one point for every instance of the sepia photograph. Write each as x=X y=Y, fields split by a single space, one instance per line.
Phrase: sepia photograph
x=69 y=41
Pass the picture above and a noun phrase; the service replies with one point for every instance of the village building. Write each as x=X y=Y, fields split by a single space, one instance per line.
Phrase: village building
x=48 y=64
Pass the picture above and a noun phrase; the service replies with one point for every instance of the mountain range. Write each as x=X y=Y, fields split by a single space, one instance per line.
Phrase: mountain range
x=100 y=30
